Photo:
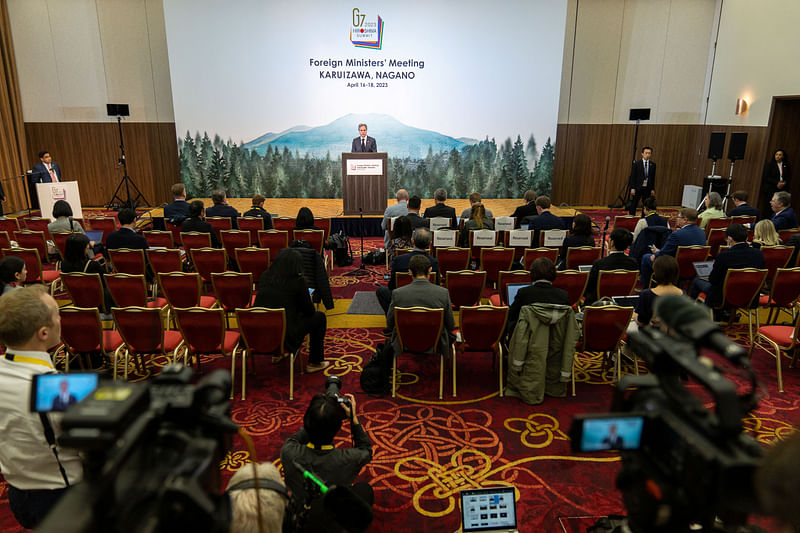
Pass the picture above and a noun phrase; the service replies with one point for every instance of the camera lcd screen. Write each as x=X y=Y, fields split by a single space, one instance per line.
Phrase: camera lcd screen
x=56 y=392
x=613 y=433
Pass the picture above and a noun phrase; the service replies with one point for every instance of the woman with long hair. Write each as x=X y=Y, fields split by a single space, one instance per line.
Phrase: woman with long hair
x=665 y=275
x=12 y=273
x=304 y=219
x=581 y=235
x=765 y=234
x=477 y=220
x=401 y=231
x=77 y=258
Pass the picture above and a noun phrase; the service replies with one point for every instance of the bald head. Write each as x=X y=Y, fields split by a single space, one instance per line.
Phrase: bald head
x=401 y=195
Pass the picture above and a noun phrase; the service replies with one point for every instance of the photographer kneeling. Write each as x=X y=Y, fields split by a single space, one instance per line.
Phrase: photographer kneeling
x=312 y=449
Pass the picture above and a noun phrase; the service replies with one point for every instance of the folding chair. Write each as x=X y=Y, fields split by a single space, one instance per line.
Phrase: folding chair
x=505 y=278
x=616 y=282
x=482 y=327
x=253 y=260
x=82 y=333
x=418 y=330
x=582 y=255
x=574 y=282
x=203 y=331
x=466 y=287
x=107 y=225
x=159 y=239
x=127 y=261
x=532 y=254
x=142 y=332
x=603 y=330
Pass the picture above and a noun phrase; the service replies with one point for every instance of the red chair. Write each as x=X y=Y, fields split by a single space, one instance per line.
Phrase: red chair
x=582 y=255
x=5 y=241
x=626 y=221
x=316 y=238
x=35 y=240
x=465 y=287
x=159 y=239
x=264 y=333
x=130 y=290
x=616 y=282
x=482 y=327
x=165 y=260
x=233 y=239
x=251 y=225
x=183 y=290
x=82 y=333
x=686 y=256
x=418 y=330
x=286 y=224
x=252 y=260
x=716 y=238
x=34 y=266
x=194 y=239
x=325 y=225
x=220 y=224
x=493 y=260
x=107 y=225
x=233 y=290
x=739 y=290
x=176 y=232
x=780 y=339
x=275 y=240
x=776 y=257
x=743 y=219
x=207 y=261
x=203 y=331
x=451 y=259
x=532 y=254
x=717 y=223
x=475 y=251
x=506 y=278
x=127 y=261
x=784 y=293
x=561 y=234
x=401 y=279
x=60 y=240
x=85 y=290
x=142 y=332
x=9 y=225
x=37 y=224
x=574 y=282
x=786 y=234
x=603 y=330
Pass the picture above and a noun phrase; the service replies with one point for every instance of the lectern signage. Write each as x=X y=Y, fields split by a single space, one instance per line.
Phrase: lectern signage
x=365 y=167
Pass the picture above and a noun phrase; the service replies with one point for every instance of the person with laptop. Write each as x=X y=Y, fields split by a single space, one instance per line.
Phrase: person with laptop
x=618 y=242
x=738 y=255
x=126 y=236
x=687 y=234
x=540 y=291
x=665 y=274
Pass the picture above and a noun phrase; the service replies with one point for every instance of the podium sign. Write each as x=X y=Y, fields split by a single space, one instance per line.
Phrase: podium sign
x=50 y=193
x=364 y=183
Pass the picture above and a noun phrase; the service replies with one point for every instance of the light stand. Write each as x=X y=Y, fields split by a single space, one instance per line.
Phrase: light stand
x=361 y=271
x=121 y=110
x=625 y=192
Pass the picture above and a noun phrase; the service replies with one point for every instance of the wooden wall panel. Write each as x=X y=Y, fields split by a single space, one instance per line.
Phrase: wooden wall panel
x=88 y=152
x=784 y=134
x=581 y=164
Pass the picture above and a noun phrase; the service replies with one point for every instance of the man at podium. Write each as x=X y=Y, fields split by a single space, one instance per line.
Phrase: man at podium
x=362 y=143
x=45 y=171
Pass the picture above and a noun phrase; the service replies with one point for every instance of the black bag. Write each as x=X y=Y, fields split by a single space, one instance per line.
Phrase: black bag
x=376 y=377
x=376 y=257
x=342 y=252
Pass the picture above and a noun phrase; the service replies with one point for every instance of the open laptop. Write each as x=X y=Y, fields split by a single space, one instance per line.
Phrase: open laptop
x=94 y=235
x=584 y=268
x=626 y=301
x=491 y=510
x=703 y=268
x=512 y=290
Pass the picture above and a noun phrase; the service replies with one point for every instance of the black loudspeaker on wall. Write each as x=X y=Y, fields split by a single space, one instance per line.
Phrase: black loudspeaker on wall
x=642 y=113
x=737 y=146
x=716 y=145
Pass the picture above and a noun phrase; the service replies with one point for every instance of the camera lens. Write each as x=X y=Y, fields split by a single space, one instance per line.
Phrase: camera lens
x=333 y=385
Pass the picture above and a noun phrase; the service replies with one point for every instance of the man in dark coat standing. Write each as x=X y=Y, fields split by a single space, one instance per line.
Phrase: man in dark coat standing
x=642 y=180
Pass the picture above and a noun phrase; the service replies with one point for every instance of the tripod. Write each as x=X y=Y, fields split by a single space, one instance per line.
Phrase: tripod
x=625 y=192
x=361 y=271
x=116 y=199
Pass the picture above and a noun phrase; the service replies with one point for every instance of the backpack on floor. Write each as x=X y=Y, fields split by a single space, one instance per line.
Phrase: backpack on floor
x=376 y=377
x=342 y=252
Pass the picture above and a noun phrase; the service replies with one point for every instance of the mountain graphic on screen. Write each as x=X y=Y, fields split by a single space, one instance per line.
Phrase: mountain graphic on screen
x=392 y=136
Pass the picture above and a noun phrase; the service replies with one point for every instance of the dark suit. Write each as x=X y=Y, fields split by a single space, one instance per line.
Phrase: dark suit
x=126 y=238
x=786 y=219
x=372 y=146
x=41 y=175
x=59 y=404
x=740 y=255
x=200 y=226
x=400 y=264
x=541 y=292
x=176 y=212
x=417 y=221
x=543 y=222
x=222 y=210
x=643 y=185
x=421 y=292
x=527 y=210
x=744 y=210
x=613 y=261
x=688 y=235
x=770 y=178
x=441 y=210
x=260 y=212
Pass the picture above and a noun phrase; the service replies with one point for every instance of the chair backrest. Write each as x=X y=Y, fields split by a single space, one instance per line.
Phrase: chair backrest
x=582 y=255
x=604 y=326
x=5 y=240
x=233 y=239
x=37 y=224
x=9 y=225
x=717 y=223
x=626 y=221
x=532 y=254
x=284 y=223
x=552 y=237
x=60 y=240
x=253 y=260
x=233 y=289
x=465 y=287
x=263 y=330
x=84 y=289
x=220 y=224
x=451 y=259
x=743 y=219
x=81 y=329
x=127 y=261
x=252 y=225
x=786 y=234
x=208 y=261
x=181 y=289
x=107 y=225
x=686 y=256
x=175 y=229
x=716 y=238
x=141 y=328
x=315 y=237
x=505 y=277
x=401 y=279
x=275 y=240
x=325 y=225
x=518 y=239
x=439 y=223
x=32 y=239
x=195 y=239
x=159 y=238
x=127 y=290
x=574 y=282
x=166 y=260
x=616 y=282
x=776 y=257
x=493 y=260
x=482 y=326
x=742 y=286
x=418 y=328
x=486 y=239
x=32 y=262
x=202 y=329
x=785 y=288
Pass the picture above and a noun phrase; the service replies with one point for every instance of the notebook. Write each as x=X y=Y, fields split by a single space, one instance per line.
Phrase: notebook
x=94 y=235
x=513 y=289
x=491 y=509
x=703 y=268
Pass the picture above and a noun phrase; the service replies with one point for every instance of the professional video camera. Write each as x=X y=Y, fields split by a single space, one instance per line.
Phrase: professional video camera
x=152 y=455
x=682 y=463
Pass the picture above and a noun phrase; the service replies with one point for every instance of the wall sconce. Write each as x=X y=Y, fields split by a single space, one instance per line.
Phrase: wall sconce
x=741 y=106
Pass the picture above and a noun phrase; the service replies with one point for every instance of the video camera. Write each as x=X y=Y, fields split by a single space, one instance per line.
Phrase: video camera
x=333 y=388
x=152 y=455
x=682 y=463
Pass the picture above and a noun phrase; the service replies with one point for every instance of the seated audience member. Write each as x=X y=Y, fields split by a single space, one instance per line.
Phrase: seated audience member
x=423 y=293
x=665 y=274
x=416 y=221
x=581 y=235
x=283 y=286
x=713 y=202
x=257 y=210
x=742 y=207
x=784 y=216
x=778 y=482
x=545 y=220
x=651 y=217
x=401 y=231
x=522 y=213
x=420 y=240
x=304 y=219
x=541 y=291
x=395 y=210
x=222 y=209
x=739 y=255
x=764 y=234
x=126 y=236
x=30 y=326
x=477 y=220
x=245 y=499
x=196 y=223
x=77 y=258
x=62 y=212
x=439 y=209
x=619 y=241
x=176 y=212
x=314 y=273
x=312 y=448
x=12 y=273
x=475 y=198
x=687 y=234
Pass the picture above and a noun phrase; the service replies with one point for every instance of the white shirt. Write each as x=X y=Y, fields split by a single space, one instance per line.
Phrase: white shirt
x=26 y=460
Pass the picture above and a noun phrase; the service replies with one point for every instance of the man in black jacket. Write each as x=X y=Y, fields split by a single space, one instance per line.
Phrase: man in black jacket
x=642 y=179
x=421 y=239
x=258 y=211
x=545 y=220
x=742 y=207
x=618 y=242
x=126 y=236
x=416 y=221
x=178 y=210
x=541 y=291
x=525 y=211
x=442 y=210
x=222 y=209
x=195 y=223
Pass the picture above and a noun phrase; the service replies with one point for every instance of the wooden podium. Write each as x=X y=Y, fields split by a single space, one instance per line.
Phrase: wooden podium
x=364 y=182
x=49 y=193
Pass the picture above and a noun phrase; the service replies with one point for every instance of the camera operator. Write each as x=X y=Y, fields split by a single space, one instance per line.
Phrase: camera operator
x=37 y=471
x=244 y=501
x=312 y=448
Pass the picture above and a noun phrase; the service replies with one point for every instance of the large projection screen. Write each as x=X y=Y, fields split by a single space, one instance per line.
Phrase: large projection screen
x=460 y=95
